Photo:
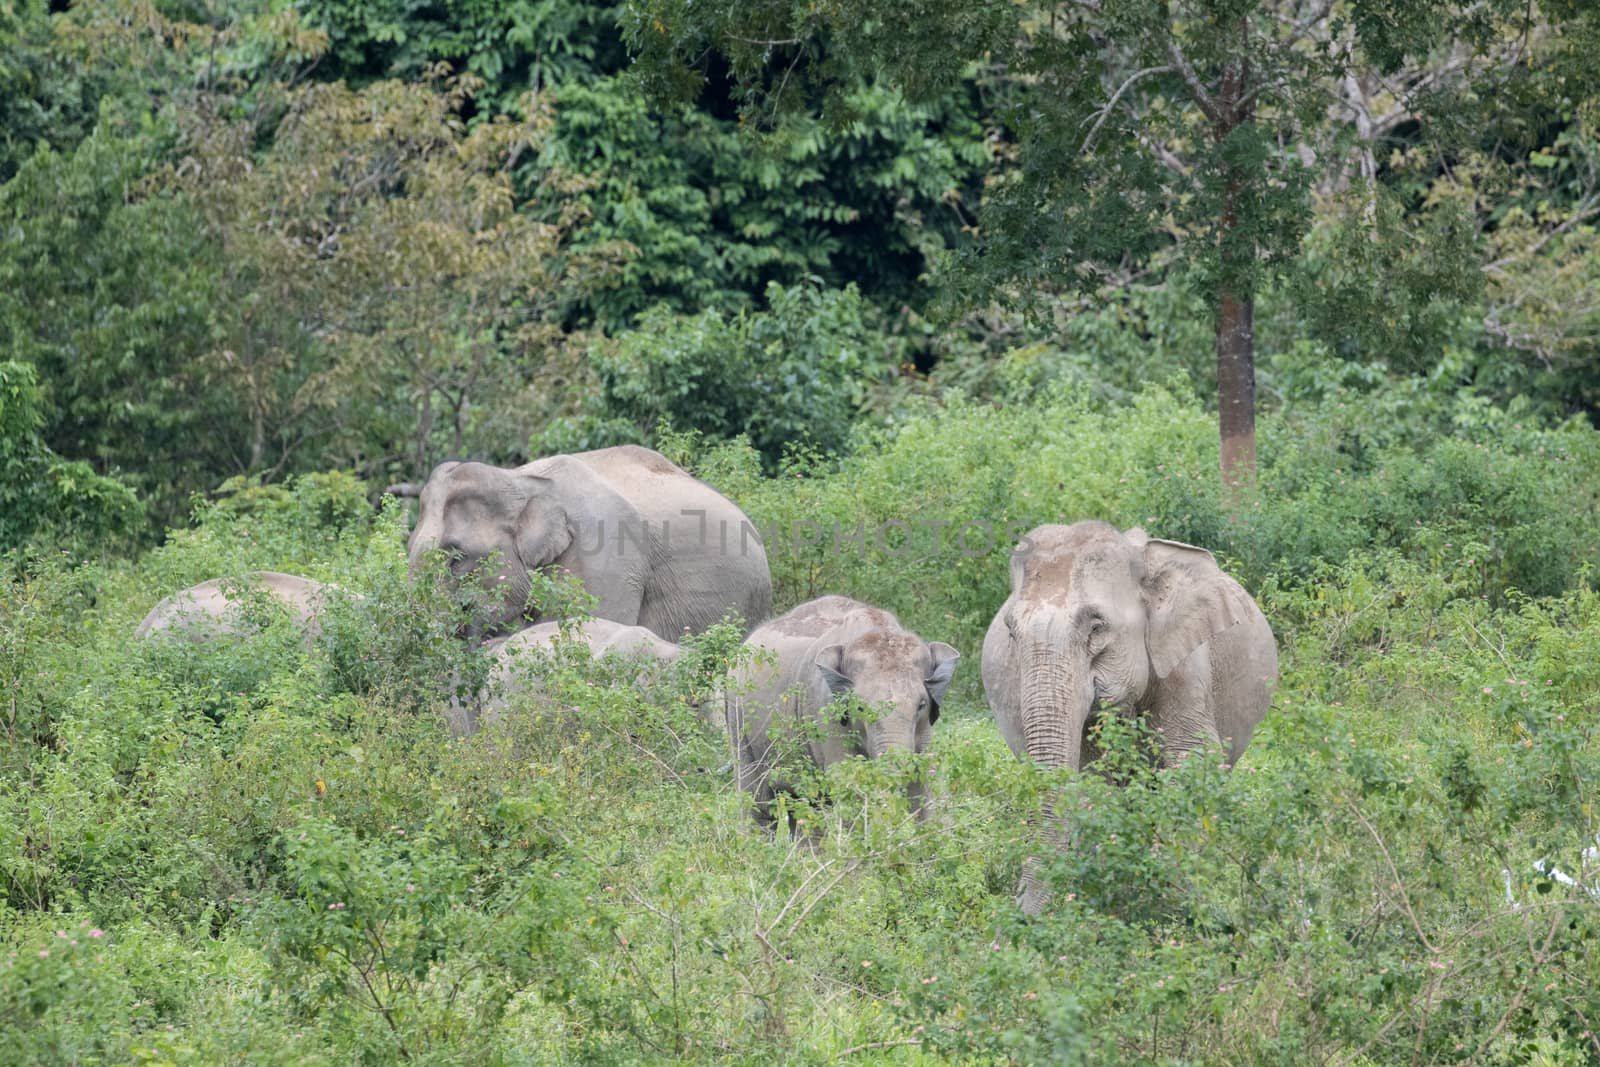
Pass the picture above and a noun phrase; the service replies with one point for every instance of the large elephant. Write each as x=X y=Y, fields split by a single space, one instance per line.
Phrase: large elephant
x=206 y=611
x=655 y=547
x=519 y=658
x=822 y=649
x=1100 y=621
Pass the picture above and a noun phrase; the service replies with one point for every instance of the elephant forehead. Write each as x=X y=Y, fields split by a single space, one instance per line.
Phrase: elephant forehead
x=827 y=613
x=1055 y=576
x=883 y=652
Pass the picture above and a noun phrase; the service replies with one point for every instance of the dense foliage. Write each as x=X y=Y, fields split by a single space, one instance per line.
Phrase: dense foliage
x=275 y=849
x=902 y=282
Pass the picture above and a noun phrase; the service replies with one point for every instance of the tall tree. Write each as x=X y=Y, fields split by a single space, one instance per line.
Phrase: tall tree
x=1133 y=125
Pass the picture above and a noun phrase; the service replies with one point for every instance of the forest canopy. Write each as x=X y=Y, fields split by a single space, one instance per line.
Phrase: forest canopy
x=261 y=239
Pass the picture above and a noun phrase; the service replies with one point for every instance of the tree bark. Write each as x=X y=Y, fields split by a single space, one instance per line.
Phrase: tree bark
x=1236 y=387
x=1236 y=340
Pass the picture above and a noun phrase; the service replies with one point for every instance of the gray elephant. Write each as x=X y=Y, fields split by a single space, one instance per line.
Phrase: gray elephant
x=823 y=649
x=206 y=611
x=519 y=658
x=1103 y=621
x=655 y=547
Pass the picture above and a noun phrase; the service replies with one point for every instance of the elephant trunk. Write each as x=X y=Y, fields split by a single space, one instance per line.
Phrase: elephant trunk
x=884 y=737
x=1057 y=701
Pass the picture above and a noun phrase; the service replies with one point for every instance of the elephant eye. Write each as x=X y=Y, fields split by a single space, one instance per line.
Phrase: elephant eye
x=1098 y=630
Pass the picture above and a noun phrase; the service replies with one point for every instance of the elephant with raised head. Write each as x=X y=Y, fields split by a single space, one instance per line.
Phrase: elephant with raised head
x=656 y=547
x=518 y=659
x=823 y=649
x=206 y=611
x=1101 y=622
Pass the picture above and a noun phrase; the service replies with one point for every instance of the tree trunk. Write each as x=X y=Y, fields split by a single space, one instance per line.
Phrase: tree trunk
x=1236 y=387
x=1236 y=339
x=258 y=427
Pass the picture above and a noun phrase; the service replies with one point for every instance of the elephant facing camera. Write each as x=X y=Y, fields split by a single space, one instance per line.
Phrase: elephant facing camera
x=832 y=679
x=1104 y=623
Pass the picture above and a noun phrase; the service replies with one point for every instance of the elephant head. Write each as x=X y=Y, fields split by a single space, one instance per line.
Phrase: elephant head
x=900 y=675
x=1102 y=621
x=497 y=527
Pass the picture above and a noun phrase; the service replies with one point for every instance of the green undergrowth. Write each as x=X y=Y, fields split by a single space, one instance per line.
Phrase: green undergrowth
x=273 y=850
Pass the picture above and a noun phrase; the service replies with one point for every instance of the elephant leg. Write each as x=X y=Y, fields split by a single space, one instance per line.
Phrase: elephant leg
x=754 y=775
x=1177 y=741
x=1182 y=716
x=762 y=810
x=917 y=795
x=1175 y=752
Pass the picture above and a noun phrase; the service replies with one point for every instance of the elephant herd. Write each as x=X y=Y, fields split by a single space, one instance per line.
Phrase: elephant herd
x=1098 y=621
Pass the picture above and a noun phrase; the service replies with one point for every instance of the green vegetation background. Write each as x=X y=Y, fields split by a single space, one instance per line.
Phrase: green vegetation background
x=260 y=259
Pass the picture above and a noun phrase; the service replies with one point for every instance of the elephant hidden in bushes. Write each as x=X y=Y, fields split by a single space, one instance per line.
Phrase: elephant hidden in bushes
x=214 y=609
x=823 y=649
x=655 y=547
x=1103 y=622
x=519 y=658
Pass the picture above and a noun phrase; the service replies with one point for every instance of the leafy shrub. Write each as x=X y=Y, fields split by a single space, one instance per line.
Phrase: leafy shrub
x=108 y=296
x=795 y=373
x=44 y=499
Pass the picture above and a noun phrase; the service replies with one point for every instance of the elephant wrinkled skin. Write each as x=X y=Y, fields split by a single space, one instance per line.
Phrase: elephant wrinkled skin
x=1101 y=622
x=656 y=547
x=822 y=649
x=205 y=611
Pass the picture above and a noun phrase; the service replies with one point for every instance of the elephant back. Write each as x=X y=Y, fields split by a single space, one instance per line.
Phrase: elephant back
x=707 y=556
x=205 y=611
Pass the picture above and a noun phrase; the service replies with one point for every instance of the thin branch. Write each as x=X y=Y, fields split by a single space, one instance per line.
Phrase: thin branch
x=770 y=42
x=658 y=760
x=1105 y=112
x=848 y=869
x=1318 y=13
x=1586 y=210
x=1165 y=157
x=1395 y=872
x=1539 y=955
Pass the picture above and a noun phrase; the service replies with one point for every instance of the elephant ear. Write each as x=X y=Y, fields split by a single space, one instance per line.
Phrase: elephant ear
x=1188 y=599
x=940 y=675
x=540 y=532
x=830 y=664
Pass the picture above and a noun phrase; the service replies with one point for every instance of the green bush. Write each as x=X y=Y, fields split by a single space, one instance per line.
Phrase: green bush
x=794 y=374
x=109 y=296
x=44 y=499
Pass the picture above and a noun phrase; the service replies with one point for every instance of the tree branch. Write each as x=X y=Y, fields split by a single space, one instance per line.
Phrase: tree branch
x=1319 y=11
x=1400 y=889
x=1197 y=90
x=1105 y=112
x=1587 y=209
